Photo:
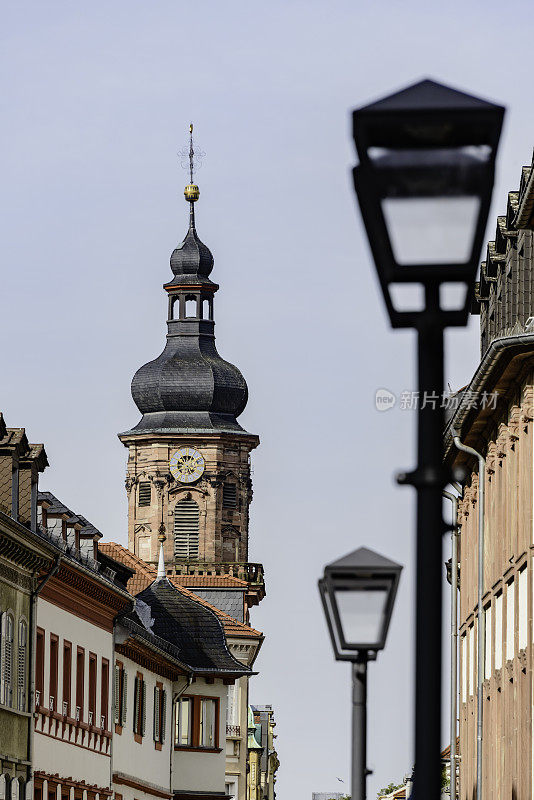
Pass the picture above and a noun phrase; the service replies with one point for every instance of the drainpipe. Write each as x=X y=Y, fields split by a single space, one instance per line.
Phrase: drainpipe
x=32 y=642
x=480 y=654
x=454 y=637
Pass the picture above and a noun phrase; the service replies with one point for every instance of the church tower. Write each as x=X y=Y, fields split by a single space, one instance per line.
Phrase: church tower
x=188 y=475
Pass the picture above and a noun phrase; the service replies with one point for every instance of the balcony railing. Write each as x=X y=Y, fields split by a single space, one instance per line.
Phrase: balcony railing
x=246 y=571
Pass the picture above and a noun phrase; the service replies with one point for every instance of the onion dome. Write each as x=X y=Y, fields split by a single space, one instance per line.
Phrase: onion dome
x=189 y=387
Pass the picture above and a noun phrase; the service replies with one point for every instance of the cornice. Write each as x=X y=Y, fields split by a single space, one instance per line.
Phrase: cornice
x=86 y=598
x=505 y=359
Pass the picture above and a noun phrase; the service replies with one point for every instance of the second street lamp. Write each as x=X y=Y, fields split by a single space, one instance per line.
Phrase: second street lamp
x=424 y=185
x=358 y=593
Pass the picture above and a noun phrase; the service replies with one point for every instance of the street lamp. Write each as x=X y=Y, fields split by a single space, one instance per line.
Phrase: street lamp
x=424 y=184
x=358 y=593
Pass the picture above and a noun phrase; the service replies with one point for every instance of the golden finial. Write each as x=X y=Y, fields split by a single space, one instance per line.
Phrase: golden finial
x=191 y=191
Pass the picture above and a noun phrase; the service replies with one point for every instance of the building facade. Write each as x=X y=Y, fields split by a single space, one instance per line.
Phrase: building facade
x=23 y=558
x=495 y=415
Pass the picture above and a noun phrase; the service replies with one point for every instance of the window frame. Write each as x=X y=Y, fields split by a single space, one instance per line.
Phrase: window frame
x=139 y=716
x=22 y=665
x=67 y=678
x=196 y=705
x=53 y=673
x=80 y=683
x=159 y=716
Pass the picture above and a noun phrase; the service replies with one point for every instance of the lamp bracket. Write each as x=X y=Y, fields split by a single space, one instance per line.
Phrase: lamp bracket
x=425 y=477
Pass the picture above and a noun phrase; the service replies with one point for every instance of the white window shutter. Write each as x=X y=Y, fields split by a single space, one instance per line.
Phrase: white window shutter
x=156 y=714
x=124 y=703
x=163 y=714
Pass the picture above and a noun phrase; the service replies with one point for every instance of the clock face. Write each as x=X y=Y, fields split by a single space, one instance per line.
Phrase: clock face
x=186 y=465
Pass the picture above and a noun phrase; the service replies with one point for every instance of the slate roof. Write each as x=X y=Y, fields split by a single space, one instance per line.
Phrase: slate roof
x=57 y=507
x=189 y=387
x=193 y=631
x=145 y=574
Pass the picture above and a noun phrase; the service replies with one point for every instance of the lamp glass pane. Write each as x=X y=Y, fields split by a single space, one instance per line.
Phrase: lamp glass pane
x=431 y=230
x=361 y=612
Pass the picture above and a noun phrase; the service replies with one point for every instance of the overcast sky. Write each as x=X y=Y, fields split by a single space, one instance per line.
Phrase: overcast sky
x=97 y=98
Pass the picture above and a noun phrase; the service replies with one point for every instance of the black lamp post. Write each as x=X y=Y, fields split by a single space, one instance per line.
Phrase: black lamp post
x=358 y=593
x=424 y=185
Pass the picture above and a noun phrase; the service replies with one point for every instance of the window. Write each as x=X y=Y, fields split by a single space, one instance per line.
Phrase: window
x=232 y=715
x=190 y=306
x=39 y=667
x=121 y=694
x=22 y=665
x=522 y=609
x=498 y=631
x=54 y=655
x=208 y=719
x=160 y=713
x=510 y=619
x=186 y=524
x=144 y=496
x=184 y=722
x=7 y=659
x=471 y=658
x=92 y=689
x=464 y=668
x=229 y=495
x=139 y=706
x=197 y=722
x=80 y=677
x=67 y=678
x=104 y=695
x=487 y=641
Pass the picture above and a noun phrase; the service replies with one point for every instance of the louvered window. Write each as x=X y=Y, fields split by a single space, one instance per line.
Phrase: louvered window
x=7 y=660
x=229 y=495
x=21 y=670
x=139 y=706
x=186 y=521
x=145 y=494
x=120 y=694
x=160 y=713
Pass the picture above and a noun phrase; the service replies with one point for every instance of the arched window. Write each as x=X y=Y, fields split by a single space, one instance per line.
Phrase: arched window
x=206 y=309
x=190 y=306
x=186 y=522
x=21 y=665
x=7 y=659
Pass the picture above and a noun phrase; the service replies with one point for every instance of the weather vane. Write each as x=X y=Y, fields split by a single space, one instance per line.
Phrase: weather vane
x=191 y=157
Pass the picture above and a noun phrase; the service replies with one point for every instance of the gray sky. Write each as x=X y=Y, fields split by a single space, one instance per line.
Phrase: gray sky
x=97 y=98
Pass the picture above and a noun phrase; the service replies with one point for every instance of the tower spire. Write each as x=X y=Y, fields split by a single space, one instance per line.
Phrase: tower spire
x=191 y=191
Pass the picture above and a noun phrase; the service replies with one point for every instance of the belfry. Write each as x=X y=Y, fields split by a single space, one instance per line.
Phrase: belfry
x=188 y=475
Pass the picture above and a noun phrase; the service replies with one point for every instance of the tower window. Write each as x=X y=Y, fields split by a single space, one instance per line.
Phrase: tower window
x=145 y=493
x=229 y=495
x=190 y=306
x=186 y=523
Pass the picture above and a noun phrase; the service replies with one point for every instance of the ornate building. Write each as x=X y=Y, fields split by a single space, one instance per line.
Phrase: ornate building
x=502 y=430
x=188 y=475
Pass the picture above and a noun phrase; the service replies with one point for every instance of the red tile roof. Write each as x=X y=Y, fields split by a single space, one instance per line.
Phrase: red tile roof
x=145 y=574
